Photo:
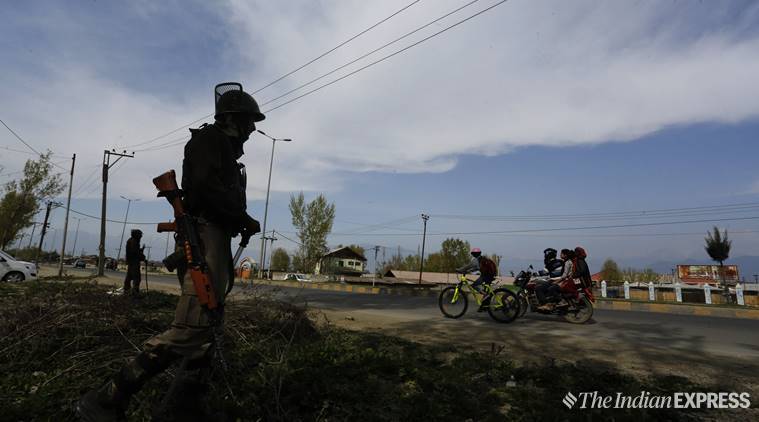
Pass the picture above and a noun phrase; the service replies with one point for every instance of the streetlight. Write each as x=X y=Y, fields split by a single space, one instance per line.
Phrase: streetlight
x=425 y=217
x=118 y=255
x=76 y=236
x=266 y=207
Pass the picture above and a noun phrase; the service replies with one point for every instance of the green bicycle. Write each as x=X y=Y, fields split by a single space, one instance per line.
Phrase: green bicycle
x=503 y=305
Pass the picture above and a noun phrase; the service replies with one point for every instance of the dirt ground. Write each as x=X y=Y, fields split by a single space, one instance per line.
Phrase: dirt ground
x=630 y=353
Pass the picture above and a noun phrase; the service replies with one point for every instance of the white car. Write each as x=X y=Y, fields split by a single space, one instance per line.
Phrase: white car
x=14 y=270
x=297 y=277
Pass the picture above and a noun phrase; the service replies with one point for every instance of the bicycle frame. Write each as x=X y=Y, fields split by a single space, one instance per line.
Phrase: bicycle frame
x=464 y=282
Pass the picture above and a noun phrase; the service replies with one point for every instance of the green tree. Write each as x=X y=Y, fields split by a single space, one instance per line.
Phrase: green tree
x=298 y=264
x=411 y=263
x=358 y=249
x=637 y=276
x=610 y=271
x=718 y=247
x=22 y=198
x=394 y=263
x=313 y=222
x=435 y=263
x=455 y=254
x=280 y=260
x=648 y=275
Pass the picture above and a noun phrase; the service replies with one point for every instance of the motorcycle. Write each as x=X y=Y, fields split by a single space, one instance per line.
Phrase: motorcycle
x=577 y=306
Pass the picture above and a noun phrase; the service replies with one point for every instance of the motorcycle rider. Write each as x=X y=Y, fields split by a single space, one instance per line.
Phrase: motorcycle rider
x=550 y=293
x=487 y=269
x=582 y=271
x=553 y=265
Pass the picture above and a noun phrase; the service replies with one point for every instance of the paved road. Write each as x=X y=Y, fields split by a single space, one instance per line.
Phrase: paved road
x=735 y=337
x=703 y=348
x=691 y=334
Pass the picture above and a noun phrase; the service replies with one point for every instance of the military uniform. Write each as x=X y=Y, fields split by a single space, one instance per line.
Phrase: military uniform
x=133 y=258
x=214 y=194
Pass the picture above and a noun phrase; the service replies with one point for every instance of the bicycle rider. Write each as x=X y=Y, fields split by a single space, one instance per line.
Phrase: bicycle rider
x=487 y=269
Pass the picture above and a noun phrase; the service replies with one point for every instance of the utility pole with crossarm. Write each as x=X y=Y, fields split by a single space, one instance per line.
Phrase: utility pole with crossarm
x=107 y=164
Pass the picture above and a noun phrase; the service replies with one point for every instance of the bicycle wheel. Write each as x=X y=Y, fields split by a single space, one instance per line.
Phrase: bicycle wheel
x=504 y=305
x=453 y=302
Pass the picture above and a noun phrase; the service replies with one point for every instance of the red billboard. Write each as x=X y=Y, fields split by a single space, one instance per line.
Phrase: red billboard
x=706 y=273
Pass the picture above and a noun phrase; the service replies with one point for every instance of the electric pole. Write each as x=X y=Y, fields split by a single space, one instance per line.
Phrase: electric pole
x=76 y=236
x=18 y=243
x=66 y=221
x=107 y=164
x=376 y=267
x=126 y=217
x=425 y=217
x=272 y=239
x=34 y=226
x=45 y=225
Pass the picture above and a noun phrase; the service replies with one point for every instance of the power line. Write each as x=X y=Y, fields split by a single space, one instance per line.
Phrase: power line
x=30 y=147
x=19 y=138
x=621 y=217
x=135 y=223
x=336 y=47
x=18 y=150
x=172 y=142
x=552 y=229
x=385 y=57
x=166 y=134
x=87 y=180
x=298 y=88
x=285 y=237
x=609 y=213
x=276 y=80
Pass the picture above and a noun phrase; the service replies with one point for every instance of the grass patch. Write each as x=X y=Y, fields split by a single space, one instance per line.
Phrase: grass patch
x=57 y=340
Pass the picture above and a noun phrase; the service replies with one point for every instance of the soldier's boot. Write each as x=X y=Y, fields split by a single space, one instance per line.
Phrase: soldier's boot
x=187 y=397
x=110 y=401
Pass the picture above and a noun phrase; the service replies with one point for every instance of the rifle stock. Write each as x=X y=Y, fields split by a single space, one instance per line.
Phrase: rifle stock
x=184 y=225
x=166 y=227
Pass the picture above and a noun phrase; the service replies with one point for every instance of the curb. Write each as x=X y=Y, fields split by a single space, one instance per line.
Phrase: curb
x=678 y=309
x=605 y=304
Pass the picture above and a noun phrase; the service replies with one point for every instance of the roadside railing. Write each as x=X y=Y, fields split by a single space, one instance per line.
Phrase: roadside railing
x=681 y=293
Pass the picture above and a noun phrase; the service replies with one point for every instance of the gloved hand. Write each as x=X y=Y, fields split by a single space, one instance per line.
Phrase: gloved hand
x=250 y=227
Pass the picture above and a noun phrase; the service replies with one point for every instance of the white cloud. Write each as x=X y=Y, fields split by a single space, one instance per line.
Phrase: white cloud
x=526 y=73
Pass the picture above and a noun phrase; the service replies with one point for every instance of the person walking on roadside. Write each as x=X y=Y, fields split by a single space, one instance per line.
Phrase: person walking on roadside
x=134 y=256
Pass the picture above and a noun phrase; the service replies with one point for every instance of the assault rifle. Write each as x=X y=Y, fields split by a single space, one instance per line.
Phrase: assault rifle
x=187 y=236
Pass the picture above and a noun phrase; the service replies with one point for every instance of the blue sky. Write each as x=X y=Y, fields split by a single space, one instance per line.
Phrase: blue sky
x=533 y=108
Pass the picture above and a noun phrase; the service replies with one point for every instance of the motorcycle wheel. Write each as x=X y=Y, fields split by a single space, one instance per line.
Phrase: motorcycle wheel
x=504 y=305
x=583 y=313
x=451 y=305
x=523 y=304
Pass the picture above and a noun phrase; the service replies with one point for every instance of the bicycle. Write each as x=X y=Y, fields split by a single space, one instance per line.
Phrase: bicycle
x=502 y=307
